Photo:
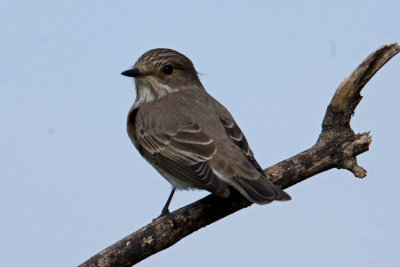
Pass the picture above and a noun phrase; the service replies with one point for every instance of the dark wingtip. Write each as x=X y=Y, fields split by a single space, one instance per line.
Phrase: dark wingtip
x=284 y=196
x=260 y=191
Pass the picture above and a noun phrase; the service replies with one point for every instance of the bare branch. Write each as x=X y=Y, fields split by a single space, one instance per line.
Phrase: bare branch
x=337 y=147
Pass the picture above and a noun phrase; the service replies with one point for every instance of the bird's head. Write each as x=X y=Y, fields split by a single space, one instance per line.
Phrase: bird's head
x=162 y=71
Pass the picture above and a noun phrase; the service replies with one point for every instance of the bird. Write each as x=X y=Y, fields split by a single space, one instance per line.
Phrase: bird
x=188 y=136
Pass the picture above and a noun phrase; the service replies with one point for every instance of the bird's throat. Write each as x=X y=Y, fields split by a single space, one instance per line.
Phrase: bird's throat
x=149 y=89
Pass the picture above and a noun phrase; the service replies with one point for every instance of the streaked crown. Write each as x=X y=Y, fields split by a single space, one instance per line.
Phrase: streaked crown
x=157 y=58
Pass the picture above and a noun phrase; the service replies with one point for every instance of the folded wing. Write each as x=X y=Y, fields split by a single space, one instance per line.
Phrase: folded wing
x=236 y=164
x=182 y=157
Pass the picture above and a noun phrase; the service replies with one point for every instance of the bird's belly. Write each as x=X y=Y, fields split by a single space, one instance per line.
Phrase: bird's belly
x=176 y=183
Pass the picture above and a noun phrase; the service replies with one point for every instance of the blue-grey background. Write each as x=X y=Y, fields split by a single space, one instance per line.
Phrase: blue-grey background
x=71 y=183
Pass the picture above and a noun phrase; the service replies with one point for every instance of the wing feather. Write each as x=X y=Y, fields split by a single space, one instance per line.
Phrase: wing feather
x=184 y=157
x=235 y=134
x=245 y=174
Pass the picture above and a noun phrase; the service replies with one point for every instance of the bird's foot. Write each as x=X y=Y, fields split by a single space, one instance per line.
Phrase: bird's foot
x=165 y=213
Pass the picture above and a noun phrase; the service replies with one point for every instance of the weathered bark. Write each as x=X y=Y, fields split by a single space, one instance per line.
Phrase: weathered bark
x=336 y=147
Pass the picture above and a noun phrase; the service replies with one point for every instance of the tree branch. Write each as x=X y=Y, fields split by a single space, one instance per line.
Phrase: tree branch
x=336 y=147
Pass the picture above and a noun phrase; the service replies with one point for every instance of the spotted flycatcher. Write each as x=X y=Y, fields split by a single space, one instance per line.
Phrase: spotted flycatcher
x=187 y=135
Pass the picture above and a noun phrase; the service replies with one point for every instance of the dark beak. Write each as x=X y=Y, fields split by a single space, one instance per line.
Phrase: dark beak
x=132 y=73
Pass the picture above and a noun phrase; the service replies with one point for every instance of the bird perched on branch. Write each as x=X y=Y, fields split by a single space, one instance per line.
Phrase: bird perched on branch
x=188 y=136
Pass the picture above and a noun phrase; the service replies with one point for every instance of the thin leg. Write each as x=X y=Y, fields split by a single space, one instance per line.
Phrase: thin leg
x=165 y=210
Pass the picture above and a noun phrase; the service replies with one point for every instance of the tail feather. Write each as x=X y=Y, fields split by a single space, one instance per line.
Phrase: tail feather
x=242 y=172
x=260 y=191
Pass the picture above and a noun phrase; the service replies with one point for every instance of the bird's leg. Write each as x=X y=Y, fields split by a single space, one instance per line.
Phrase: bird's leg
x=165 y=210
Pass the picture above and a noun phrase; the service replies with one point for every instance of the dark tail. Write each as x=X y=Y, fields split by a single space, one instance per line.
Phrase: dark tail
x=260 y=191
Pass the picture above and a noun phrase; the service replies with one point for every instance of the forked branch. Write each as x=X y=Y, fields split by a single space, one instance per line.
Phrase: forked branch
x=336 y=147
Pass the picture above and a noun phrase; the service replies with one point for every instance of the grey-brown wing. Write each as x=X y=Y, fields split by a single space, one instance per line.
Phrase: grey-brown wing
x=243 y=171
x=236 y=135
x=183 y=156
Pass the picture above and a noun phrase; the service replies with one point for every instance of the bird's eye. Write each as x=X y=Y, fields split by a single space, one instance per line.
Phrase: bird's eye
x=168 y=69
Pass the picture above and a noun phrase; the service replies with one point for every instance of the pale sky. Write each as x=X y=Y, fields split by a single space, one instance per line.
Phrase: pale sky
x=73 y=184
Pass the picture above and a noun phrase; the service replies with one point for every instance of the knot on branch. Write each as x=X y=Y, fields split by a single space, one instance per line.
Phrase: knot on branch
x=360 y=144
x=351 y=165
